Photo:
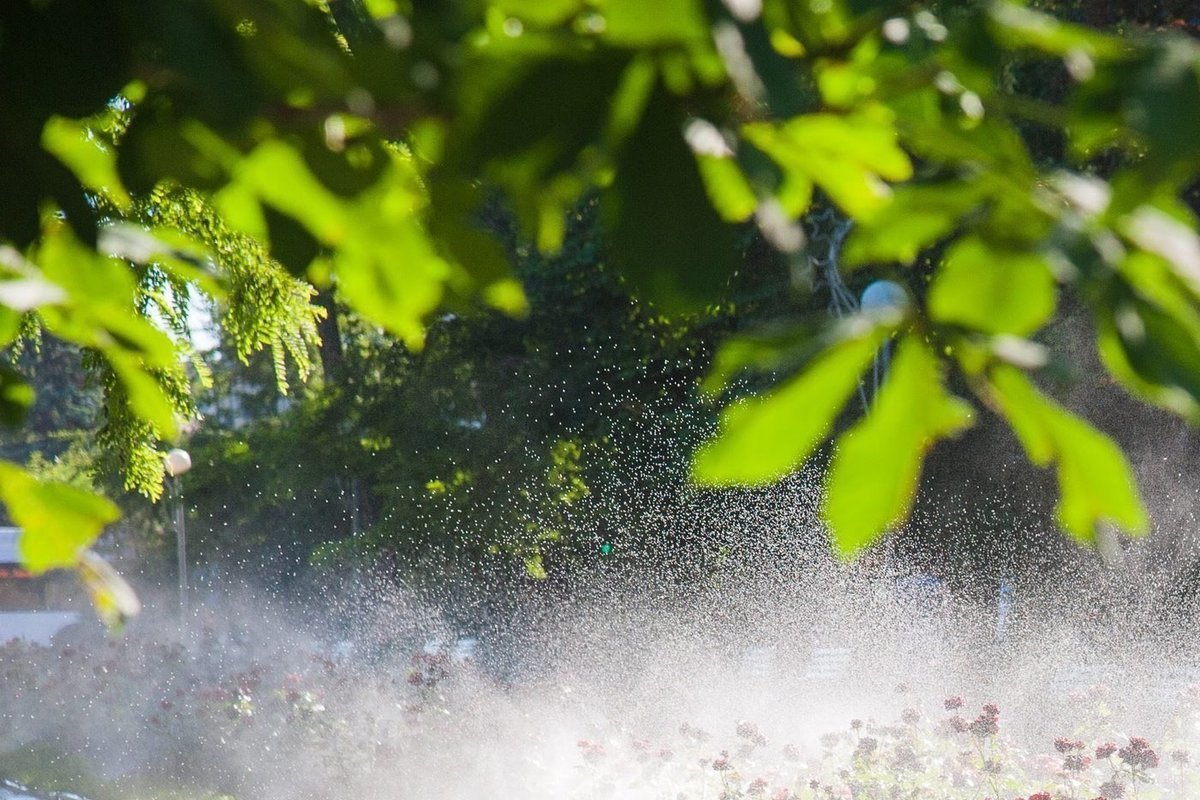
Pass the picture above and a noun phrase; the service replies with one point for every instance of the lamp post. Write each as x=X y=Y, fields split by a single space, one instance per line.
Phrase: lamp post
x=179 y=462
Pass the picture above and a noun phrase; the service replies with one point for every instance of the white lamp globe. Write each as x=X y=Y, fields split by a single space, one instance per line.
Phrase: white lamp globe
x=178 y=462
x=883 y=295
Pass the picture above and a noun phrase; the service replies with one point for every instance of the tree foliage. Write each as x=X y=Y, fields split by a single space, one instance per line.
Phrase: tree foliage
x=358 y=145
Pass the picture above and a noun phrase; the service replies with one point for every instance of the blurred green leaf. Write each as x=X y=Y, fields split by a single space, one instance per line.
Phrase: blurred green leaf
x=279 y=176
x=239 y=207
x=393 y=277
x=633 y=23
x=539 y=12
x=762 y=439
x=664 y=234
x=99 y=312
x=1149 y=335
x=728 y=188
x=992 y=145
x=850 y=157
x=1165 y=104
x=58 y=522
x=762 y=352
x=346 y=164
x=160 y=145
x=992 y=290
x=877 y=464
x=526 y=124
x=93 y=161
x=1017 y=26
x=1175 y=240
x=1096 y=484
x=16 y=396
x=919 y=216
x=506 y=295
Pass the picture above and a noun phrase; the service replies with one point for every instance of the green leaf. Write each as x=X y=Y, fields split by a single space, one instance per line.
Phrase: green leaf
x=239 y=207
x=727 y=187
x=918 y=217
x=93 y=161
x=99 y=312
x=992 y=290
x=764 y=438
x=539 y=12
x=1149 y=336
x=506 y=295
x=279 y=176
x=1175 y=240
x=636 y=24
x=850 y=157
x=16 y=396
x=1017 y=26
x=1165 y=106
x=1096 y=484
x=158 y=145
x=762 y=352
x=146 y=395
x=992 y=145
x=393 y=277
x=664 y=235
x=527 y=124
x=877 y=466
x=58 y=521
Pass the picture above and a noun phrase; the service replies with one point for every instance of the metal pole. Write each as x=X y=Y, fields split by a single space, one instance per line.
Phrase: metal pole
x=181 y=547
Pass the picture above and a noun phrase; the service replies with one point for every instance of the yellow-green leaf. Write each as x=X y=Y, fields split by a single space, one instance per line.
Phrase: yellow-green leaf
x=764 y=438
x=1095 y=482
x=58 y=522
x=875 y=471
x=992 y=290
x=727 y=187
x=94 y=162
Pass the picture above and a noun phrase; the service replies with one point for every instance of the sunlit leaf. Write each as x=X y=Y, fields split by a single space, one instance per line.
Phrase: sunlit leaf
x=278 y=175
x=93 y=161
x=58 y=522
x=764 y=438
x=1095 y=482
x=1149 y=337
x=1020 y=27
x=633 y=23
x=850 y=157
x=539 y=12
x=992 y=290
x=761 y=352
x=728 y=188
x=99 y=313
x=918 y=217
x=394 y=278
x=506 y=295
x=877 y=465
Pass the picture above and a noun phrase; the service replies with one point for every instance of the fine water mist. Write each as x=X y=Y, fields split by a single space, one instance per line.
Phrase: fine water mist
x=766 y=667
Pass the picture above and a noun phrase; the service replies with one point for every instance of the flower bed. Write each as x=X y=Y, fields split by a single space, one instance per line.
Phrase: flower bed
x=297 y=723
